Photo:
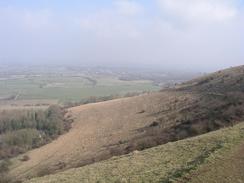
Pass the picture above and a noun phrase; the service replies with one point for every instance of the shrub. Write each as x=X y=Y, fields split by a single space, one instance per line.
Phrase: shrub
x=25 y=158
x=4 y=166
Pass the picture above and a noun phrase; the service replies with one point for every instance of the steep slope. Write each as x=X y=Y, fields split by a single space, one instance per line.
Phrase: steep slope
x=117 y=127
x=97 y=131
x=172 y=162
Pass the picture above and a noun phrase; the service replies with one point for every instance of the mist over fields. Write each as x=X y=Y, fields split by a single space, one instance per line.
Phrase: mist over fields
x=203 y=35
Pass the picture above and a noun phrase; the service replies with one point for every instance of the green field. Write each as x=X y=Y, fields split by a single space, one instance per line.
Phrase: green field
x=69 y=88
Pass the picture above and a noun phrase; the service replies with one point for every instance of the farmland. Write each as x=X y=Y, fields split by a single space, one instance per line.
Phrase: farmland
x=60 y=85
x=66 y=88
x=42 y=86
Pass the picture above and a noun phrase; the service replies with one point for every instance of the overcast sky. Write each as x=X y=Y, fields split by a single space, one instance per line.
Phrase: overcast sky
x=196 y=34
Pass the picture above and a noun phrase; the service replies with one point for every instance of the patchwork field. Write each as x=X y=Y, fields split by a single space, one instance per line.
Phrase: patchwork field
x=68 y=88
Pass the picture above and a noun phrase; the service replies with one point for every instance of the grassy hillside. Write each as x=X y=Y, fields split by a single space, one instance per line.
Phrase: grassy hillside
x=223 y=81
x=225 y=167
x=103 y=130
x=166 y=163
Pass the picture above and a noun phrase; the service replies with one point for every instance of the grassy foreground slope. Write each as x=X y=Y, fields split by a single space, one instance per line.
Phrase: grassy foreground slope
x=171 y=162
x=223 y=168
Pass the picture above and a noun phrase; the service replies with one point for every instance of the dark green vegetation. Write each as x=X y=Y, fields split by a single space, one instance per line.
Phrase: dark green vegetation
x=4 y=169
x=22 y=130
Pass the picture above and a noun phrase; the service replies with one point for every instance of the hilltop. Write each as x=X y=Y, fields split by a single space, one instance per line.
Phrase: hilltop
x=103 y=130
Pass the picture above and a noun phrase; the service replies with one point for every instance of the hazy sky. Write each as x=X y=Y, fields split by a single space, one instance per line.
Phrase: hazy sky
x=201 y=34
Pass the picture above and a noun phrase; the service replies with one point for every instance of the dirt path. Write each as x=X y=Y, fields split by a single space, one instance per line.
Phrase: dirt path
x=228 y=168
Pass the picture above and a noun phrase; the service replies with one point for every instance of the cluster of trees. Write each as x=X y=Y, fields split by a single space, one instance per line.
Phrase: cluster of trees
x=23 y=130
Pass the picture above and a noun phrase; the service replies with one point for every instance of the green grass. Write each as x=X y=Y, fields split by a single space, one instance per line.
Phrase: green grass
x=68 y=88
x=166 y=163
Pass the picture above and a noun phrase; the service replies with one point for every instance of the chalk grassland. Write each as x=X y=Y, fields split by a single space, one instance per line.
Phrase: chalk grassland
x=68 y=88
x=181 y=161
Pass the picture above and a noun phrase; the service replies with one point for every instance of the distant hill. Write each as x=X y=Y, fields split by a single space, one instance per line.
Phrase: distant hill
x=223 y=81
x=103 y=130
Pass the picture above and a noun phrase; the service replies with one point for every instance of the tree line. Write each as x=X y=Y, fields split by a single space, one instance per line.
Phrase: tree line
x=22 y=130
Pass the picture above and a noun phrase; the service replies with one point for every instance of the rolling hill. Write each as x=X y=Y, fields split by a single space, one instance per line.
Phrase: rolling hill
x=213 y=157
x=103 y=130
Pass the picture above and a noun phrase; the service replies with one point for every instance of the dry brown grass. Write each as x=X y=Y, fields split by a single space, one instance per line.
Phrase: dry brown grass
x=26 y=104
x=95 y=127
